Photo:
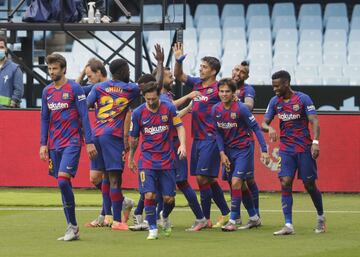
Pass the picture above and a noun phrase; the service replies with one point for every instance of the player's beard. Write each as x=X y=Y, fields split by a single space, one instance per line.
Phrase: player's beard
x=167 y=87
x=56 y=78
x=154 y=105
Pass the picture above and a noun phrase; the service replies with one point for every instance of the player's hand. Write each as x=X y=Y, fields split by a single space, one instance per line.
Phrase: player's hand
x=91 y=151
x=225 y=160
x=273 y=136
x=178 y=50
x=44 y=153
x=181 y=152
x=315 y=151
x=159 y=53
x=265 y=158
x=193 y=94
x=235 y=98
x=132 y=165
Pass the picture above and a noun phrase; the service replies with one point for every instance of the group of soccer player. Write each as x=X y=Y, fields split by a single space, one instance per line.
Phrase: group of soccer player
x=222 y=131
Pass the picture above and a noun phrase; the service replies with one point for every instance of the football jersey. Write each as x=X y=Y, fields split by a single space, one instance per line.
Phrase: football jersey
x=202 y=125
x=112 y=100
x=64 y=116
x=234 y=125
x=245 y=91
x=157 y=151
x=169 y=97
x=294 y=131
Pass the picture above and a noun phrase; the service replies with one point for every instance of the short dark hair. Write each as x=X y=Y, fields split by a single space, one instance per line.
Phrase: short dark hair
x=213 y=62
x=155 y=70
x=95 y=65
x=229 y=82
x=146 y=78
x=3 y=39
x=149 y=87
x=281 y=74
x=56 y=58
x=119 y=69
x=244 y=63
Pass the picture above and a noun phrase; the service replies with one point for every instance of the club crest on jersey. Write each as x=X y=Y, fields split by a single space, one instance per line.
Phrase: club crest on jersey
x=233 y=115
x=164 y=118
x=296 y=107
x=65 y=96
x=209 y=91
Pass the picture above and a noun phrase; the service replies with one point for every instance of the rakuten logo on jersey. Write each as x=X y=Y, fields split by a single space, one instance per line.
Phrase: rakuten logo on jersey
x=227 y=125
x=57 y=106
x=287 y=117
x=201 y=98
x=155 y=130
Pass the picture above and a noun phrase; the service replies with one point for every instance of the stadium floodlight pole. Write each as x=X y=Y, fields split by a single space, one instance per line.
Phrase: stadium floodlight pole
x=123 y=9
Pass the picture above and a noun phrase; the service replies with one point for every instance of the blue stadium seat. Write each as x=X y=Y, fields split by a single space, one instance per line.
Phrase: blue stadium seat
x=206 y=9
x=282 y=9
x=257 y=10
x=335 y=10
x=232 y=10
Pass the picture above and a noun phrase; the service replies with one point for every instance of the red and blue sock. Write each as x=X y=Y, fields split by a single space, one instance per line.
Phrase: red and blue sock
x=150 y=210
x=205 y=196
x=235 y=203
x=287 y=202
x=117 y=199
x=255 y=195
x=105 y=190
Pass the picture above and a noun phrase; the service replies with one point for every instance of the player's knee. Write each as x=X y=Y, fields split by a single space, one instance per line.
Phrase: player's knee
x=236 y=184
x=169 y=199
x=286 y=182
x=309 y=186
x=95 y=180
x=202 y=180
x=182 y=184
x=250 y=181
x=150 y=195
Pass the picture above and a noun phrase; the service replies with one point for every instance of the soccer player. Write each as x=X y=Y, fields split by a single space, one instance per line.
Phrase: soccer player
x=112 y=99
x=246 y=94
x=181 y=167
x=297 y=151
x=205 y=159
x=233 y=121
x=96 y=73
x=64 y=119
x=155 y=120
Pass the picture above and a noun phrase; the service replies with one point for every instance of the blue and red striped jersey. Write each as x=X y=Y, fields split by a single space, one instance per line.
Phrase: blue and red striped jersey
x=202 y=125
x=64 y=116
x=293 y=116
x=157 y=151
x=234 y=126
x=112 y=100
x=245 y=91
x=169 y=96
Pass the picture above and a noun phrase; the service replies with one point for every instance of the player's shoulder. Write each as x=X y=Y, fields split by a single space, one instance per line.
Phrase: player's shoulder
x=302 y=95
x=168 y=104
x=217 y=106
x=139 y=109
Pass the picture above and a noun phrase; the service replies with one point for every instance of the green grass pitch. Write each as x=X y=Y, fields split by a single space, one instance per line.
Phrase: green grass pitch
x=31 y=220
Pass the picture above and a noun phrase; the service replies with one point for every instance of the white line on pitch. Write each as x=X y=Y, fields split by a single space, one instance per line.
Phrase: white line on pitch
x=181 y=209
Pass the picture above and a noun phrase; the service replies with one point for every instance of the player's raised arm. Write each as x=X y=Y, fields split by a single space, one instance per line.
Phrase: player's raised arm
x=45 y=117
x=159 y=57
x=182 y=100
x=179 y=57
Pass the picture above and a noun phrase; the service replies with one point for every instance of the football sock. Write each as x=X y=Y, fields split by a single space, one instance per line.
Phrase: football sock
x=168 y=207
x=65 y=210
x=317 y=200
x=117 y=199
x=205 y=196
x=255 y=196
x=219 y=198
x=160 y=204
x=287 y=202
x=248 y=202
x=99 y=186
x=150 y=210
x=105 y=190
x=140 y=206
x=235 y=203
x=191 y=197
x=69 y=200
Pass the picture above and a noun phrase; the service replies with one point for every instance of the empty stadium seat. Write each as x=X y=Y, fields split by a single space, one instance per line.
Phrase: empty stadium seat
x=257 y=10
x=206 y=9
x=232 y=10
x=335 y=10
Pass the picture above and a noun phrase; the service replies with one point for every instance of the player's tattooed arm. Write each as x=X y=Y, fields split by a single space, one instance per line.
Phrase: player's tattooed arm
x=249 y=102
x=315 y=150
x=159 y=57
x=134 y=142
